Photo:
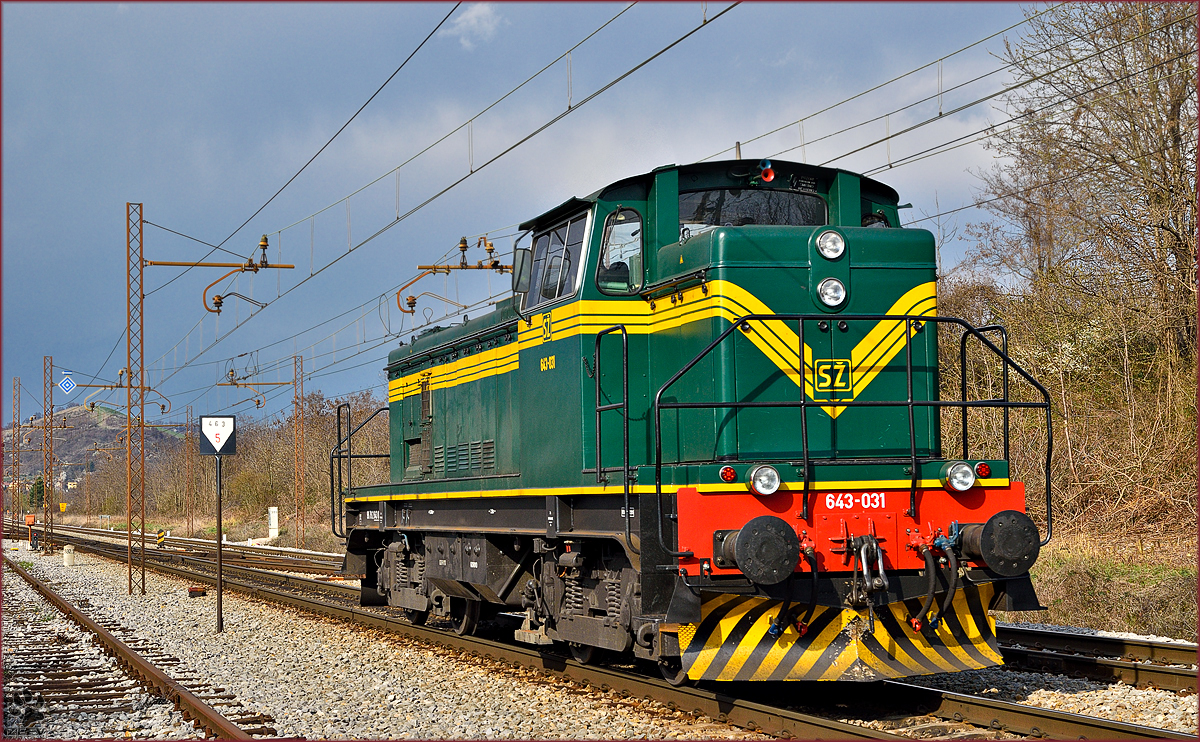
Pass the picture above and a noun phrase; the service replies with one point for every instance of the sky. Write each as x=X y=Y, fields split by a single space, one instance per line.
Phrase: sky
x=201 y=112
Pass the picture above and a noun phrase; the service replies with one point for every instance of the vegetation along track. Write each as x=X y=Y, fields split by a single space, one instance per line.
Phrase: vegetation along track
x=49 y=673
x=903 y=707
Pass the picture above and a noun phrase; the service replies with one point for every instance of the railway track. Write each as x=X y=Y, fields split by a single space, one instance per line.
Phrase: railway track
x=266 y=557
x=761 y=708
x=1137 y=662
x=105 y=672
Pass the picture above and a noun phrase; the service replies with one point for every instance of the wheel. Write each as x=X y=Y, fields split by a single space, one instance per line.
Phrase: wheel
x=465 y=615
x=673 y=672
x=584 y=654
x=415 y=617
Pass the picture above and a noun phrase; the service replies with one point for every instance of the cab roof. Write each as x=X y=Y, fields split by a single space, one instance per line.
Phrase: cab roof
x=575 y=203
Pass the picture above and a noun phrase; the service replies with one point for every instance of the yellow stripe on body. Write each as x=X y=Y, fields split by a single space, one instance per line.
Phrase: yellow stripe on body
x=648 y=489
x=469 y=368
x=723 y=300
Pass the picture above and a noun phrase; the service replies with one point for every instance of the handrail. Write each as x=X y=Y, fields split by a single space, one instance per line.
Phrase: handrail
x=804 y=403
x=623 y=405
x=336 y=506
x=963 y=378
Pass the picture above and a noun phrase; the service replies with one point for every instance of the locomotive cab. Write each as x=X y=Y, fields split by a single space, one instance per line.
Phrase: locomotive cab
x=709 y=430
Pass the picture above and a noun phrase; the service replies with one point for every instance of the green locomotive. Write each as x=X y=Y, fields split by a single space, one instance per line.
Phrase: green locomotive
x=707 y=431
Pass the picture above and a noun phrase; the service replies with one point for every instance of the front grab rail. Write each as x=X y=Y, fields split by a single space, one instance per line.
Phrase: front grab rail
x=911 y=322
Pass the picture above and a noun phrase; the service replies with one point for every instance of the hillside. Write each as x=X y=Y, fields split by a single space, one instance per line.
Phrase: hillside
x=74 y=445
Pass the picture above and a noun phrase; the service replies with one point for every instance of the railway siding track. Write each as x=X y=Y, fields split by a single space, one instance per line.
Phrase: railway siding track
x=140 y=661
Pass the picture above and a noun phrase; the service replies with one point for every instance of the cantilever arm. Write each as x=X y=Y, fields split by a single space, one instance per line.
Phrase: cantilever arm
x=204 y=296
x=410 y=283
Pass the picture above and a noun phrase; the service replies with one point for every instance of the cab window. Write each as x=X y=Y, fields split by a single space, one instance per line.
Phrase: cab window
x=700 y=211
x=556 y=260
x=620 y=268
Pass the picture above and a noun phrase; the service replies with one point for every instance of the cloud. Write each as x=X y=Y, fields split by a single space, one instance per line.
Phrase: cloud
x=477 y=23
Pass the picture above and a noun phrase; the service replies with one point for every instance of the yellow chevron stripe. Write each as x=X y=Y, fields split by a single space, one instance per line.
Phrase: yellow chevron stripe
x=820 y=645
x=943 y=652
x=746 y=647
x=717 y=300
x=842 y=663
x=780 y=648
x=713 y=642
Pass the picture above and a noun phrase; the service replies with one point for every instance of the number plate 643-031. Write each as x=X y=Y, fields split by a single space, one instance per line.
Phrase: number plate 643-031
x=855 y=500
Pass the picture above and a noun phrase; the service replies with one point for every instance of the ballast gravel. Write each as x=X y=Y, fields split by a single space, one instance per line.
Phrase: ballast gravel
x=325 y=679
x=1153 y=708
x=29 y=715
x=320 y=678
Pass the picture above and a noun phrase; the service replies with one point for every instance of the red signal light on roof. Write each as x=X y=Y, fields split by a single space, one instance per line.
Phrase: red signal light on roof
x=765 y=173
x=728 y=474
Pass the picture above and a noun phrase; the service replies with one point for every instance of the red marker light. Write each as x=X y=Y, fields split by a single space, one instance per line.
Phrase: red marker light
x=728 y=474
x=982 y=470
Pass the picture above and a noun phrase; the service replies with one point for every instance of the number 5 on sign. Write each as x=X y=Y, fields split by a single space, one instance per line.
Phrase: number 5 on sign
x=218 y=435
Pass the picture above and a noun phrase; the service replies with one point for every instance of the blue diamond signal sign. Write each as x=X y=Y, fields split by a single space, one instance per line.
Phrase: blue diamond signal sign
x=67 y=385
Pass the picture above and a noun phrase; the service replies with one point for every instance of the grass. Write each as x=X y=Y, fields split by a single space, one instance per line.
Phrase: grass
x=1117 y=584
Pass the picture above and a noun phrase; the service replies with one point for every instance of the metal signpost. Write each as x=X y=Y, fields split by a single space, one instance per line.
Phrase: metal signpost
x=218 y=439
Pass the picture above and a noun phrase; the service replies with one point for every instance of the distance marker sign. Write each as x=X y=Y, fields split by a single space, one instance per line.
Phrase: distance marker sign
x=217 y=435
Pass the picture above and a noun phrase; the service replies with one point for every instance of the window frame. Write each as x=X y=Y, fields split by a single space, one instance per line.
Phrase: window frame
x=819 y=197
x=537 y=272
x=632 y=291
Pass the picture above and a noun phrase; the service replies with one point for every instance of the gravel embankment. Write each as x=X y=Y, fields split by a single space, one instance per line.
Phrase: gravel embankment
x=321 y=678
x=1154 y=708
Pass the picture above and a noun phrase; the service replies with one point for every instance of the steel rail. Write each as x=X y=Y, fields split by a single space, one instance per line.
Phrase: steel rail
x=296 y=560
x=990 y=713
x=185 y=701
x=1170 y=653
x=1138 y=674
x=1019 y=718
x=716 y=705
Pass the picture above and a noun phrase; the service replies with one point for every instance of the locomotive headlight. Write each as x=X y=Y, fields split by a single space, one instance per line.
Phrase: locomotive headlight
x=764 y=480
x=831 y=245
x=958 y=476
x=832 y=292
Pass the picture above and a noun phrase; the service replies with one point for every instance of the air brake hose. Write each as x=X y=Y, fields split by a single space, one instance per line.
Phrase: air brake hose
x=810 y=555
x=775 y=630
x=918 y=622
x=953 y=586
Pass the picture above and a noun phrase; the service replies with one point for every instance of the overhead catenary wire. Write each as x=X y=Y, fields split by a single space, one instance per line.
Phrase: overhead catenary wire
x=322 y=149
x=1003 y=91
x=460 y=127
x=881 y=85
x=1016 y=121
x=1029 y=189
x=462 y=179
x=396 y=169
